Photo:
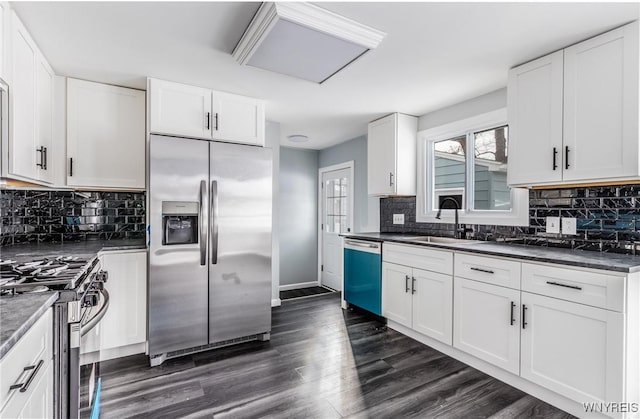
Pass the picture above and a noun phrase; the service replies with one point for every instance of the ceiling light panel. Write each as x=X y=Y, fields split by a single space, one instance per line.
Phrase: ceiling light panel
x=303 y=41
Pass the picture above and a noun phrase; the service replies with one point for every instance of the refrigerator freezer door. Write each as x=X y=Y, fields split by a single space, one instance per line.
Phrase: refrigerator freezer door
x=178 y=307
x=240 y=259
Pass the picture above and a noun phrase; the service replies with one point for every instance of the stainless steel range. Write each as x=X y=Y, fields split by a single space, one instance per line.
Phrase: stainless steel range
x=83 y=301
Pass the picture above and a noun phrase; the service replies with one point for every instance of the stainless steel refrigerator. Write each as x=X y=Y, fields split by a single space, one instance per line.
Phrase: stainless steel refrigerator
x=210 y=245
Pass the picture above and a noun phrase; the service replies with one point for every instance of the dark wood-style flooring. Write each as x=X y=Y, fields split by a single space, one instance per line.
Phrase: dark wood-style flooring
x=321 y=362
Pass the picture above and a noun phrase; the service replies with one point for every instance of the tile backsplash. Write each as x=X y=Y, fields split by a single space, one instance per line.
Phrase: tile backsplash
x=61 y=216
x=608 y=219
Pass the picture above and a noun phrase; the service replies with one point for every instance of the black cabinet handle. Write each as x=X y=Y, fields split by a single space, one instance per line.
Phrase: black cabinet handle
x=406 y=283
x=70 y=166
x=512 y=319
x=524 y=311
x=45 y=157
x=208 y=121
x=25 y=386
x=557 y=284
x=41 y=151
x=487 y=271
x=566 y=157
x=216 y=121
x=413 y=285
x=555 y=158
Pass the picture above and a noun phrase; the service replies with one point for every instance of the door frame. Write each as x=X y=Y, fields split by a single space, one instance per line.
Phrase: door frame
x=345 y=165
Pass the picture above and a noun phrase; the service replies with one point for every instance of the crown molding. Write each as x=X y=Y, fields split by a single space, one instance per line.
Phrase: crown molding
x=307 y=15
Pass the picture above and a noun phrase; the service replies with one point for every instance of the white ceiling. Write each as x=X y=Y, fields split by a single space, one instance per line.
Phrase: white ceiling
x=434 y=54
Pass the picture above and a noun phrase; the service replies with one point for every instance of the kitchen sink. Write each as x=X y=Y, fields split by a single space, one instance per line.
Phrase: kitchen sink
x=444 y=240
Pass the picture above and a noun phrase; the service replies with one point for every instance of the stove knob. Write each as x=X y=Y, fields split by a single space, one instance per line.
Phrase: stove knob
x=90 y=300
x=98 y=285
x=103 y=276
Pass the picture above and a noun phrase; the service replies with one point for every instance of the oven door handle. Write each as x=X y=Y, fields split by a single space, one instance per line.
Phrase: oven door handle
x=86 y=328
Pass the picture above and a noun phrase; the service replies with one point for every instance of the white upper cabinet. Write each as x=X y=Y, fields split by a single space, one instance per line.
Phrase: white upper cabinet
x=535 y=121
x=5 y=19
x=105 y=136
x=178 y=109
x=601 y=106
x=189 y=111
x=31 y=108
x=391 y=155
x=573 y=115
x=238 y=119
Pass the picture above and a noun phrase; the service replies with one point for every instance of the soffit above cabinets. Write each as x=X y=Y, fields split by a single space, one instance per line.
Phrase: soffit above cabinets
x=304 y=41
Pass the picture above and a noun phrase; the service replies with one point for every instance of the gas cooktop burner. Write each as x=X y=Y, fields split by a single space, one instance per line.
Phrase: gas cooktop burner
x=53 y=273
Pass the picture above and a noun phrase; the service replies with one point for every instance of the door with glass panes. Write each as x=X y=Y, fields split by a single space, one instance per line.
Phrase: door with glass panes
x=336 y=219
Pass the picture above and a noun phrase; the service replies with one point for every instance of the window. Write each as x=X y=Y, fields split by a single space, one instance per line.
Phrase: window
x=467 y=161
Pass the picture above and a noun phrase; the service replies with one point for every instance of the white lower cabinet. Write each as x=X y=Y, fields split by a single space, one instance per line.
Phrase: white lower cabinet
x=418 y=299
x=123 y=329
x=573 y=349
x=29 y=364
x=486 y=322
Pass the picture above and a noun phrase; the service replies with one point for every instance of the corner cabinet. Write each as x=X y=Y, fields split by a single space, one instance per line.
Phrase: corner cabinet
x=105 y=136
x=195 y=112
x=573 y=115
x=31 y=108
x=391 y=155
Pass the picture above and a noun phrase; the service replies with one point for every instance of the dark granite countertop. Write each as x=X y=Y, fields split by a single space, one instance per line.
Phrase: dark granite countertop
x=88 y=249
x=19 y=313
x=581 y=258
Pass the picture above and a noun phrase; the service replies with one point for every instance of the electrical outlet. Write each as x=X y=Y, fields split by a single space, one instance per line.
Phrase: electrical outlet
x=568 y=225
x=553 y=224
x=398 y=218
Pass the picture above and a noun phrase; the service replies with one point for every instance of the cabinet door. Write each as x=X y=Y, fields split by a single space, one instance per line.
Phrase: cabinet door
x=4 y=31
x=601 y=106
x=238 y=119
x=126 y=320
x=381 y=155
x=485 y=323
x=40 y=401
x=433 y=305
x=44 y=127
x=396 y=293
x=573 y=349
x=22 y=100
x=535 y=121
x=105 y=136
x=178 y=109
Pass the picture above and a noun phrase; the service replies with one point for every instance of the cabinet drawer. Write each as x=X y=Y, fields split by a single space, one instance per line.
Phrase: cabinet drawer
x=596 y=289
x=36 y=345
x=501 y=272
x=440 y=261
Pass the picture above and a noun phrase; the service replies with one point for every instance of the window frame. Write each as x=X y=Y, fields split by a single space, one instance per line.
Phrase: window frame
x=518 y=215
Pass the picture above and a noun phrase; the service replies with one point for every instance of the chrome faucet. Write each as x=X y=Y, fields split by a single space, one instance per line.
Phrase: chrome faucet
x=460 y=231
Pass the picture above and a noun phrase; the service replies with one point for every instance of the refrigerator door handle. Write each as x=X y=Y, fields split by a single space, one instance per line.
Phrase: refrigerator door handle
x=214 y=222
x=203 y=227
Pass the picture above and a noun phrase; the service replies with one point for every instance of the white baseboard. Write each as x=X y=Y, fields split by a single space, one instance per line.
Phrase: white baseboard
x=288 y=287
x=276 y=302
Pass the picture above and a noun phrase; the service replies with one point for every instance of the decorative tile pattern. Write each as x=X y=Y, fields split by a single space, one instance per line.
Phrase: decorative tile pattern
x=607 y=218
x=62 y=216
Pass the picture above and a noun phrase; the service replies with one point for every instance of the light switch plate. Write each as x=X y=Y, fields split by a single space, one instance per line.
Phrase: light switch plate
x=398 y=218
x=568 y=225
x=553 y=224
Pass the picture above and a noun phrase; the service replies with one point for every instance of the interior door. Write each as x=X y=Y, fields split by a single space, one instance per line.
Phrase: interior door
x=336 y=219
x=240 y=241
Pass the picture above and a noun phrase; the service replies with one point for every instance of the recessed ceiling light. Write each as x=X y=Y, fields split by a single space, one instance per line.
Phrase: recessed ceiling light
x=298 y=138
x=303 y=40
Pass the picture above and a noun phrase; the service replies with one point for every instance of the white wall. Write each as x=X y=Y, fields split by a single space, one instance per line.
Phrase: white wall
x=272 y=141
x=366 y=217
x=298 y=216
x=472 y=107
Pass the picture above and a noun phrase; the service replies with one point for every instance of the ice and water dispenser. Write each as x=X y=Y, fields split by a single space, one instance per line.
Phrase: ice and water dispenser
x=179 y=222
